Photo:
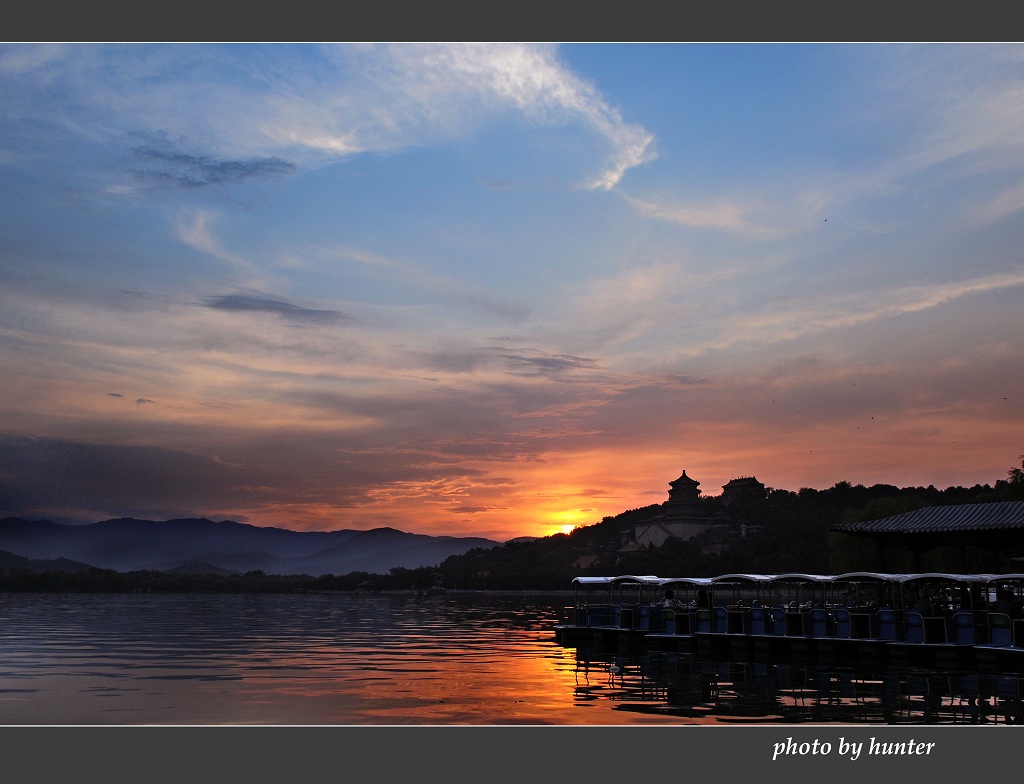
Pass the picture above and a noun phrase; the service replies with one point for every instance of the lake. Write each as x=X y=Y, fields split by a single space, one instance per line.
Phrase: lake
x=406 y=659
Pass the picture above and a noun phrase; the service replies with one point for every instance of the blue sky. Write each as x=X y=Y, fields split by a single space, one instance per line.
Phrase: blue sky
x=500 y=289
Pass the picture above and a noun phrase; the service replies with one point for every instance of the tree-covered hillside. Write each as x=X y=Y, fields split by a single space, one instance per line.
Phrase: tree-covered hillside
x=785 y=531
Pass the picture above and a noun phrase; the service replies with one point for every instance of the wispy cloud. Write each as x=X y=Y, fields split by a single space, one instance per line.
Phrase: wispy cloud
x=975 y=117
x=442 y=89
x=166 y=162
x=316 y=104
x=724 y=216
x=799 y=318
x=473 y=510
x=194 y=228
x=662 y=313
x=19 y=60
x=1002 y=204
x=532 y=362
x=249 y=303
x=446 y=288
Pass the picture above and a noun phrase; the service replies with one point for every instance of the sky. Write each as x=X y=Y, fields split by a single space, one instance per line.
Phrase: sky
x=502 y=289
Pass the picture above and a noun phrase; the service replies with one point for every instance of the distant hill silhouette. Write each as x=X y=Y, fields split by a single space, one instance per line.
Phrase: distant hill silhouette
x=10 y=561
x=128 y=544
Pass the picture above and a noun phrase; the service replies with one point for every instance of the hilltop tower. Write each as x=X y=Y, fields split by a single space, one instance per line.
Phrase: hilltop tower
x=683 y=516
x=684 y=495
x=743 y=488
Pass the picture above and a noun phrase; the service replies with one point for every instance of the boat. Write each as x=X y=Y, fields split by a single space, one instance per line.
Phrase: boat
x=864 y=618
x=933 y=619
x=592 y=606
x=943 y=617
x=1001 y=644
x=739 y=614
x=607 y=610
x=684 y=608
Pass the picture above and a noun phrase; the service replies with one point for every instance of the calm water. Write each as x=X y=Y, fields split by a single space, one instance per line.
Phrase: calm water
x=460 y=659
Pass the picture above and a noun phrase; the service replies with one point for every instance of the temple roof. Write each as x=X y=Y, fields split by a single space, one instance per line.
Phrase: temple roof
x=944 y=519
x=684 y=481
x=743 y=481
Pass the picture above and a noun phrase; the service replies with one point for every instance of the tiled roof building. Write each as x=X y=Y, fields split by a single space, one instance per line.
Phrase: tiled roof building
x=995 y=527
x=683 y=516
x=742 y=488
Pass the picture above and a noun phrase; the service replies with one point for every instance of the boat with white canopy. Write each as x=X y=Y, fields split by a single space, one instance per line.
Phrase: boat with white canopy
x=928 y=618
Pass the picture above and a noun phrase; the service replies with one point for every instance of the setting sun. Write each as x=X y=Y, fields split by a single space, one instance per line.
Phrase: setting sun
x=567 y=520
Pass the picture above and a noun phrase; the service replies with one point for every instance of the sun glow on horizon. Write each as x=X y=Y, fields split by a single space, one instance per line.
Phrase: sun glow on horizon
x=566 y=521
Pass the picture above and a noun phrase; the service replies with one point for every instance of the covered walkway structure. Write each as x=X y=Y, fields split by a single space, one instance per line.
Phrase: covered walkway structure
x=995 y=529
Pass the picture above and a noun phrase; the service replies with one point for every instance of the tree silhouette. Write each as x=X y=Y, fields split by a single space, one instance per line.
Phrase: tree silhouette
x=1016 y=475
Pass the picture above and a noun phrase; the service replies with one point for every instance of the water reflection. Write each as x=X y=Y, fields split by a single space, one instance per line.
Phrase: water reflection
x=270 y=659
x=408 y=659
x=686 y=686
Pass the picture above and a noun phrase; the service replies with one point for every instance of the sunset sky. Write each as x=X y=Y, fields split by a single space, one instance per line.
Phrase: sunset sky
x=499 y=289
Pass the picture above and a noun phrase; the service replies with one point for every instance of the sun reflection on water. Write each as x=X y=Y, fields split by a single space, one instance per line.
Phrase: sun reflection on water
x=408 y=659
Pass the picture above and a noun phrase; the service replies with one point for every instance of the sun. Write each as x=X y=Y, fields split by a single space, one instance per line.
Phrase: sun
x=565 y=521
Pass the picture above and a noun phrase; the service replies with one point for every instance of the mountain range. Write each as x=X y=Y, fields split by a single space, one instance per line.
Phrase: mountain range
x=128 y=544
